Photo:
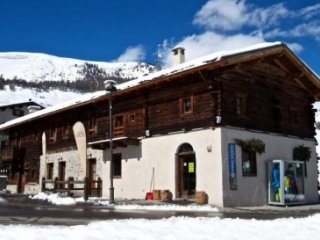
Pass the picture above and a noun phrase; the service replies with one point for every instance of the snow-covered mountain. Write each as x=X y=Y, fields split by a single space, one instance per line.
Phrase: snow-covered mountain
x=43 y=67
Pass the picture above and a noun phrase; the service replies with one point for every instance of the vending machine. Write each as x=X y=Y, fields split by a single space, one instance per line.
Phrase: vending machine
x=286 y=182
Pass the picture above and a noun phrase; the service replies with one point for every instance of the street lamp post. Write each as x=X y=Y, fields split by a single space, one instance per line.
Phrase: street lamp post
x=110 y=87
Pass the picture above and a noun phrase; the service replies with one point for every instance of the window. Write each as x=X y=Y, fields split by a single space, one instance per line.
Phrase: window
x=186 y=105
x=117 y=158
x=53 y=135
x=17 y=112
x=118 y=128
x=249 y=163
x=132 y=117
x=241 y=105
x=92 y=125
x=65 y=132
x=50 y=171
x=293 y=116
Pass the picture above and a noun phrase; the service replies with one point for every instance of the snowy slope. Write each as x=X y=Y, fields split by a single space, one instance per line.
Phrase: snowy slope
x=43 y=67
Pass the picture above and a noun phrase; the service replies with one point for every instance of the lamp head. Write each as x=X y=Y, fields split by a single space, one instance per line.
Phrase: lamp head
x=109 y=85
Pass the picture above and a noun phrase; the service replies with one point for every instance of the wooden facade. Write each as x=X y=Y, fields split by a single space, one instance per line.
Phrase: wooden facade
x=265 y=91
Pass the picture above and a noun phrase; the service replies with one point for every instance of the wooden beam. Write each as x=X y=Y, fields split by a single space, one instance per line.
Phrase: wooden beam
x=284 y=68
x=297 y=80
x=204 y=79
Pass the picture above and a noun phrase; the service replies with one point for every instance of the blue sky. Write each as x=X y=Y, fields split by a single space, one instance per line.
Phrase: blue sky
x=124 y=30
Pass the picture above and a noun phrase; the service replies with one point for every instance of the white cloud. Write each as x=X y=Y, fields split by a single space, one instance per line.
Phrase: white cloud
x=221 y=14
x=132 y=54
x=310 y=11
x=311 y=29
x=234 y=14
x=296 y=47
x=277 y=32
x=266 y=17
x=209 y=42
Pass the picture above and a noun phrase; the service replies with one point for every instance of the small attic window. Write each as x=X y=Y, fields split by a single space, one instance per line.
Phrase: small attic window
x=17 y=112
x=241 y=104
x=132 y=117
x=186 y=105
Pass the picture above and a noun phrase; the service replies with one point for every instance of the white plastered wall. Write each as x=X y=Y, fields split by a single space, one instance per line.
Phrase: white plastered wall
x=159 y=153
x=253 y=190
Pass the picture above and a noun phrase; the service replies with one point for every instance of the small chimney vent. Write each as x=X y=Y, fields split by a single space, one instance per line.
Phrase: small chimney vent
x=178 y=56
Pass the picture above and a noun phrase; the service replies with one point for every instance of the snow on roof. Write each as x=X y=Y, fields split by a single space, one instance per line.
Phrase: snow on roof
x=20 y=103
x=166 y=72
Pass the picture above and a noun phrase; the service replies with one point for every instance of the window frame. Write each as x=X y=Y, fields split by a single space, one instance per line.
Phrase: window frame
x=65 y=131
x=132 y=117
x=183 y=106
x=251 y=157
x=293 y=116
x=117 y=165
x=92 y=124
x=53 y=135
x=241 y=107
x=50 y=167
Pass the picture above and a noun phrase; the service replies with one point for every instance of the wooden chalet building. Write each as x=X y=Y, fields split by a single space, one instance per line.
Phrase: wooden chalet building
x=173 y=129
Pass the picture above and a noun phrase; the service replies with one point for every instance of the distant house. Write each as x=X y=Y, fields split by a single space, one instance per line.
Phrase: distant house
x=16 y=110
x=185 y=129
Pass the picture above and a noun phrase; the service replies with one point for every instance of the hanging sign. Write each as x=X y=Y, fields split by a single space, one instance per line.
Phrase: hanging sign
x=232 y=166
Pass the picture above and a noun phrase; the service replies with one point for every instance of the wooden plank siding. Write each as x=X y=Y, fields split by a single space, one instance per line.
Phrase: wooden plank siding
x=164 y=106
x=271 y=95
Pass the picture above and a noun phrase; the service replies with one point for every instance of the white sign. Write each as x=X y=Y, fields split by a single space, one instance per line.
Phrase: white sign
x=81 y=142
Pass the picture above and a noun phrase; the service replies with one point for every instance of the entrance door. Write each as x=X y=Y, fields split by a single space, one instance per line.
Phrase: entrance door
x=187 y=175
x=62 y=173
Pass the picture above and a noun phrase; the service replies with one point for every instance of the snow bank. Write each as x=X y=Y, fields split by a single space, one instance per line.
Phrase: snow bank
x=55 y=198
x=168 y=207
x=58 y=199
x=173 y=228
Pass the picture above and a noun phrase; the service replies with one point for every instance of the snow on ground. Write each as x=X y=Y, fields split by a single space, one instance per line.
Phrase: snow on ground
x=57 y=199
x=173 y=228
